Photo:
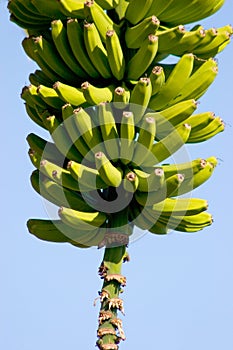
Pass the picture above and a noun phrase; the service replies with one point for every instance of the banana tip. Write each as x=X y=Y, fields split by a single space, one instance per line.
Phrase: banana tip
x=60 y=210
x=99 y=155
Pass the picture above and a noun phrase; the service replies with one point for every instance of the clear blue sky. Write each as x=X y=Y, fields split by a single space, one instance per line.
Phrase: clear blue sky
x=180 y=287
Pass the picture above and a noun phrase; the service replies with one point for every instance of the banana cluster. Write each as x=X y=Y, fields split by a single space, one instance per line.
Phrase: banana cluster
x=115 y=112
x=94 y=43
x=76 y=51
x=102 y=168
x=37 y=14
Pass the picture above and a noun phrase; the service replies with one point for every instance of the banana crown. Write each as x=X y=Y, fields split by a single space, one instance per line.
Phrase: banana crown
x=115 y=111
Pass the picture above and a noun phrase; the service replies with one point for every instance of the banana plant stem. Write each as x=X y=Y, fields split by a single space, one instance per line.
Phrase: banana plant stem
x=110 y=331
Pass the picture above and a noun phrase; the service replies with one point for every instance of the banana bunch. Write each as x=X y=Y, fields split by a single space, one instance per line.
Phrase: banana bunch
x=172 y=93
x=204 y=43
x=36 y=14
x=74 y=41
x=99 y=154
x=115 y=112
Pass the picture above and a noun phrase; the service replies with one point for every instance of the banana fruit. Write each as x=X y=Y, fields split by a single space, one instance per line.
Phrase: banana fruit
x=108 y=172
x=57 y=231
x=57 y=194
x=80 y=219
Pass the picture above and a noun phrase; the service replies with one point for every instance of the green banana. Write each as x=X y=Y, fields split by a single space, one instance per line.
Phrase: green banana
x=31 y=50
x=57 y=194
x=157 y=78
x=108 y=130
x=73 y=8
x=127 y=135
x=184 y=224
x=24 y=12
x=177 y=113
x=76 y=42
x=135 y=36
x=21 y=23
x=51 y=231
x=121 y=97
x=172 y=116
x=167 y=189
x=210 y=36
x=139 y=98
x=31 y=96
x=179 y=207
x=137 y=10
x=61 y=138
x=108 y=172
x=188 y=169
x=187 y=223
x=48 y=53
x=200 y=121
x=39 y=187
x=56 y=230
x=145 y=141
x=102 y=21
x=87 y=130
x=45 y=149
x=198 y=178
x=50 y=97
x=69 y=94
x=168 y=36
x=62 y=196
x=130 y=181
x=216 y=50
x=27 y=16
x=121 y=9
x=88 y=179
x=207 y=129
x=39 y=78
x=115 y=54
x=168 y=145
x=96 y=51
x=81 y=220
x=60 y=39
x=174 y=84
x=95 y=95
x=198 y=82
x=53 y=171
x=221 y=37
x=150 y=181
x=69 y=116
x=188 y=41
x=145 y=55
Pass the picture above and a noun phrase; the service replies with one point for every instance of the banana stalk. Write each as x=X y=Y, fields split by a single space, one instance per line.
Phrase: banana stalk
x=110 y=330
